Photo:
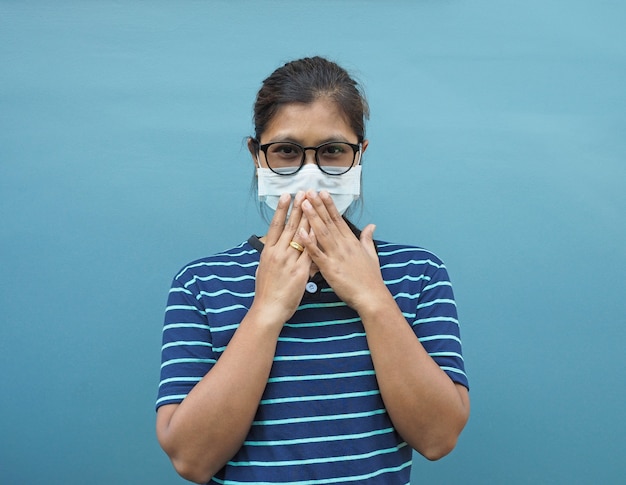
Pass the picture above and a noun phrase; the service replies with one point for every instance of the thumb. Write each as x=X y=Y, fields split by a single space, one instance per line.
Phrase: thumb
x=367 y=237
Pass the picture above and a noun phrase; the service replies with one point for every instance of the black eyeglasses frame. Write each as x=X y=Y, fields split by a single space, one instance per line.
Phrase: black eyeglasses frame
x=356 y=148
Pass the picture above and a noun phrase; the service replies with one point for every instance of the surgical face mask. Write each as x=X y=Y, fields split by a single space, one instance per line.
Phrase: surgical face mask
x=344 y=189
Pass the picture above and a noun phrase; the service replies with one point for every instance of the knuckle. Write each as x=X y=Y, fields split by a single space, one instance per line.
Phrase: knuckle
x=276 y=223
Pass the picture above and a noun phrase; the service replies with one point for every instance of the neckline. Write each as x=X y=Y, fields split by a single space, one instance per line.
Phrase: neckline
x=317 y=278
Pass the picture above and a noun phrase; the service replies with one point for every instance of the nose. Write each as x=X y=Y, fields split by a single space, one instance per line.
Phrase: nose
x=309 y=155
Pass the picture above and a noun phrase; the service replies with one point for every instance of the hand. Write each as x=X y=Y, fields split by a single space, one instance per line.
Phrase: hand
x=349 y=265
x=283 y=270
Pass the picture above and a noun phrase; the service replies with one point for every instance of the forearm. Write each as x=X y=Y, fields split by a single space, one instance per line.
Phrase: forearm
x=427 y=408
x=209 y=426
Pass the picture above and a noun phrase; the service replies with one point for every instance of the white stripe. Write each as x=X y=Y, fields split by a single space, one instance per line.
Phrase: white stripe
x=217 y=277
x=226 y=309
x=180 y=379
x=408 y=278
x=340 y=355
x=436 y=302
x=344 y=395
x=453 y=369
x=320 y=439
x=187 y=361
x=315 y=377
x=186 y=342
x=326 y=481
x=434 y=285
x=310 y=419
x=312 y=461
x=171 y=326
x=184 y=307
x=435 y=319
x=413 y=261
x=222 y=292
x=446 y=354
x=439 y=337
x=175 y=397
x=321 y=339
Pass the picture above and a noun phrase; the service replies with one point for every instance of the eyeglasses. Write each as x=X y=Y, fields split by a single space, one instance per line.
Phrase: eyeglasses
x=333 y=158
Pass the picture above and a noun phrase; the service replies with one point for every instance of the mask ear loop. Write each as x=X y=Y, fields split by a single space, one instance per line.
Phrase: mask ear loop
x=360 y=153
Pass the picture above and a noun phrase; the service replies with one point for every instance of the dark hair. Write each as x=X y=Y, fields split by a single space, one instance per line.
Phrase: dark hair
x=304 y=81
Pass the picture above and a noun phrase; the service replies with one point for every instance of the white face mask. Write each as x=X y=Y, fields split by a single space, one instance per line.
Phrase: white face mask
x=344 y=189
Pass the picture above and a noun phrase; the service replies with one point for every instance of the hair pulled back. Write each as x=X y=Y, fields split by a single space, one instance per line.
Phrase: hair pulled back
x=304 y=81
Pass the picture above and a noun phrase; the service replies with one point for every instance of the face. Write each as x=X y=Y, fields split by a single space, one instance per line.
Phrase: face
x=308 y=125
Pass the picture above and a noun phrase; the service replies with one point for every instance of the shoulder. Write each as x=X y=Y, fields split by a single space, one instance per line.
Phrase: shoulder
x=403 y=264
x=230 y=261
x=403 y=254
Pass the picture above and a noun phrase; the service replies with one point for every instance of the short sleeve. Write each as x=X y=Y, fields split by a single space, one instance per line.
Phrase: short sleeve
x=436 y=325
x=187 y=352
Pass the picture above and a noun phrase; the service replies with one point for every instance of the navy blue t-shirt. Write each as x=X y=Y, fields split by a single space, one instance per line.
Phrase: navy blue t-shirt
x=321 y=418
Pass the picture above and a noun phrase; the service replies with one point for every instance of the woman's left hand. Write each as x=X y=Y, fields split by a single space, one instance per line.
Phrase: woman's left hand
x=427 y=409
x=349 y=265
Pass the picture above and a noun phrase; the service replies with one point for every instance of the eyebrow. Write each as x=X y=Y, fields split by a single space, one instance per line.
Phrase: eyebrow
x=329 y=139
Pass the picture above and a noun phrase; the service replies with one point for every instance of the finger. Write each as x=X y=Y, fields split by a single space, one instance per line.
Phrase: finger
x=367 y=239
x=303 y=228
x=295 y=217
x=309 y=241
x=277 y=224
x=304 y=225
x=333 y=213
x=296 y=245
x=319 y=219
x=297 y=242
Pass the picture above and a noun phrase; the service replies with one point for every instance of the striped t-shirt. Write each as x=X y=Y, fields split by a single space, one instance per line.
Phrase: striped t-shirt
x=321 y=419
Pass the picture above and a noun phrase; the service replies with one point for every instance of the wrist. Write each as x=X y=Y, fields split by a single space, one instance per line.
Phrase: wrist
x=375 y=303
x=265 y=316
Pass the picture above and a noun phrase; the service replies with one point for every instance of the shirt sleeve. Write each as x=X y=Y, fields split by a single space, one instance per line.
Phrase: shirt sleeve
x=187 y=351
x=436 y=325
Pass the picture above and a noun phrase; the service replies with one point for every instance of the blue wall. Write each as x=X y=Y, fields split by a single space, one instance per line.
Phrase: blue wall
x=497 y=140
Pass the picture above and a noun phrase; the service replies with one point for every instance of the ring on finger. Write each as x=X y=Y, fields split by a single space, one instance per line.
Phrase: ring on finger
x=297 y=245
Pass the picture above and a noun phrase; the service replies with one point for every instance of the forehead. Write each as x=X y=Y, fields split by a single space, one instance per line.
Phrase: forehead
x=313 y=122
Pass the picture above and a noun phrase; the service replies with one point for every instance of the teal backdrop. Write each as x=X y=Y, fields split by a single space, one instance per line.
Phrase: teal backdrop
x=497 y=140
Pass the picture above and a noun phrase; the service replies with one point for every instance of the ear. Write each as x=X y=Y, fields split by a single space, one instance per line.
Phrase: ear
x=253 y=149
x=364 y=144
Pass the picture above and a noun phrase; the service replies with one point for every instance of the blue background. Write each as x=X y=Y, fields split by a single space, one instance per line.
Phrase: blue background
x=497 y=140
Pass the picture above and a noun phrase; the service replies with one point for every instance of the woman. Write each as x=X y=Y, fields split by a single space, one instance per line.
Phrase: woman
x=312 y=354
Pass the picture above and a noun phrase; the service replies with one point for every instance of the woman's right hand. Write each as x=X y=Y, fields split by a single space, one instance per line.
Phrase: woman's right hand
x=283 y=270
x=207 y=428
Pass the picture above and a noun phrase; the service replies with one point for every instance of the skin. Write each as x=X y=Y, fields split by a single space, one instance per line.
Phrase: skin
x=429 y=411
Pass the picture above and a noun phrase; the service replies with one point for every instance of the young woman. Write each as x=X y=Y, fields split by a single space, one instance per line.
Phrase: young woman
x=312 y=354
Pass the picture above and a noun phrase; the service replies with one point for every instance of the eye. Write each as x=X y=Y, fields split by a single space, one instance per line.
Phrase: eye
x=286 y=151
x=336 y=154
x=333 y=150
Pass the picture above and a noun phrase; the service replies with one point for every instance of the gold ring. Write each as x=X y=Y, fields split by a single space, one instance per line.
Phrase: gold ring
x=297 y=246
